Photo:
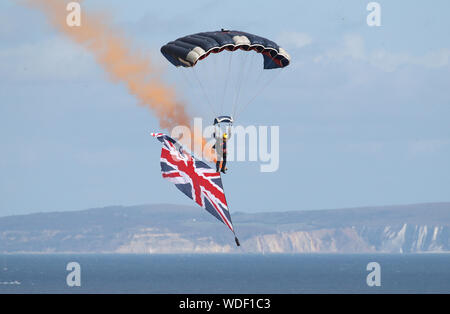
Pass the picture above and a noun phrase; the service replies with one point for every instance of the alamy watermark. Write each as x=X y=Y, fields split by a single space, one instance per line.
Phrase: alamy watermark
x=374 y=17
x=373 y=279
x=73 y=279
x=250 y=143
x=74 y=17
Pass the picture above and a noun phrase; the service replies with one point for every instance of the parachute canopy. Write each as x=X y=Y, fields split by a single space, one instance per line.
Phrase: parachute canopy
x=231 y=76
x=187 y=51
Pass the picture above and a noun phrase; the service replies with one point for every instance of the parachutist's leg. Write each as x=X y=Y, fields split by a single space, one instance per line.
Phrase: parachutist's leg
x=224 y=162
x=217 y=165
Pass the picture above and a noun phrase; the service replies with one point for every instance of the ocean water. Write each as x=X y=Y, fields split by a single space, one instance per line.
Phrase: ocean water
x=219 y=273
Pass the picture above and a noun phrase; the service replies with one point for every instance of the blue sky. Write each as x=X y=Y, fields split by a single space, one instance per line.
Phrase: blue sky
x=363 y=111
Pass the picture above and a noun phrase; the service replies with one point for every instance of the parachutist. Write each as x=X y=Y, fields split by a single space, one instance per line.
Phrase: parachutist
x=221 y=149
x=237 y=241
x=187 y=52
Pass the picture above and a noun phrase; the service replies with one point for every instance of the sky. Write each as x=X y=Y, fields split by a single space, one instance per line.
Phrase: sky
x=363 y=112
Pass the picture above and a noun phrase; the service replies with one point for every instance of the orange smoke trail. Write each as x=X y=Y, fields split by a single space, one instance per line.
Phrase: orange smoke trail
x=112 y=51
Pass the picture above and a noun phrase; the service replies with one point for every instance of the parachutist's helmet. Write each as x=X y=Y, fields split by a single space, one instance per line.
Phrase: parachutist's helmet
x=225 y=135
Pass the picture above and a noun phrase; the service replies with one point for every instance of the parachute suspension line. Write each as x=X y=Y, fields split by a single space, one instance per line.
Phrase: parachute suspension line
x=239 y=82
x=246 y=79
x=212 y=74
x=261 y=74
x=186 y=78
x=204 y=91
x=189 y=83
x=263 y=87
x=226 y=82
x=271 y=80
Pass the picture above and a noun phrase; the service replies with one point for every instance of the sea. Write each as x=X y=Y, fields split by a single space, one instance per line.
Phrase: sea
x=225 y=273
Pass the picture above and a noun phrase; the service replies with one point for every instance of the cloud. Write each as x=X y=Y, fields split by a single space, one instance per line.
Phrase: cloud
x=109 y=157
x=352 y=47
x=294 y=39
x=427 y=146
x=51 y=59
x=368 y=147
x=410 y=147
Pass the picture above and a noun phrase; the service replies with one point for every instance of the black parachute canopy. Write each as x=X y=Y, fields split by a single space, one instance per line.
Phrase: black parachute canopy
x=186 y=51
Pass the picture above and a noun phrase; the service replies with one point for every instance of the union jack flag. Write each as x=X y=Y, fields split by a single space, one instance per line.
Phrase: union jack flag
x=194 y=178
